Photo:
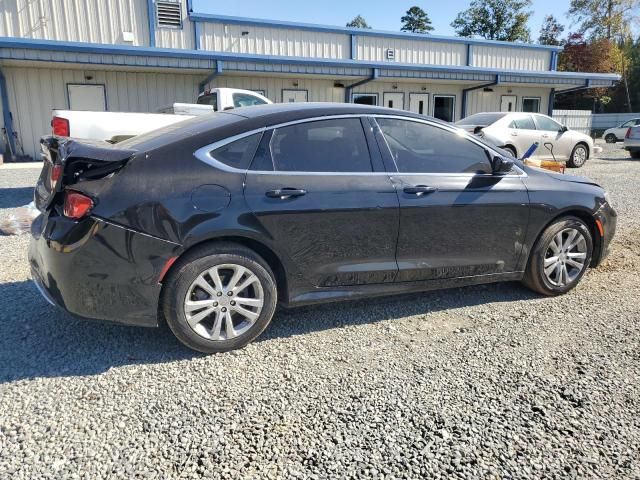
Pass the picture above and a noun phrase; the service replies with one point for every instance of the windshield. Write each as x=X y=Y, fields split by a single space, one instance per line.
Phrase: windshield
x=485 y=119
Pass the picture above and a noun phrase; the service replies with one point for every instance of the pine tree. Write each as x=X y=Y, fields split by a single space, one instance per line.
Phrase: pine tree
x=416 y=20
x=551 y=31
x=358 y=22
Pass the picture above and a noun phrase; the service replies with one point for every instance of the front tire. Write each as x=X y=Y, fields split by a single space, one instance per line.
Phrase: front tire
x=635 y=153
x=560 y=257
x=579 y=156
x=511 y=150
x=219 y=298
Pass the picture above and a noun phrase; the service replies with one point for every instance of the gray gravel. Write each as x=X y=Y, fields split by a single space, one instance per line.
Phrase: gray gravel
x=481 y=382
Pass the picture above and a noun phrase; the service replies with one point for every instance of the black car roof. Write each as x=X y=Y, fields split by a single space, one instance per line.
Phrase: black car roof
x=218 y=125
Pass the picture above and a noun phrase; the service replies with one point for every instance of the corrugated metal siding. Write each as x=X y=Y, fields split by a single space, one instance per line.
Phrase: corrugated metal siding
x=411 y=51
x=273 y=41
x=177 y=37
x=34 y=92
x=98 y=21
x=510 y=58
x=480 y=101
x=318 y=90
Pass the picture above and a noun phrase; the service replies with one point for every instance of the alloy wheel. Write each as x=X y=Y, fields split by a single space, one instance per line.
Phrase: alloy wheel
x=224 y=302
x=566 y=257
x=579 y=155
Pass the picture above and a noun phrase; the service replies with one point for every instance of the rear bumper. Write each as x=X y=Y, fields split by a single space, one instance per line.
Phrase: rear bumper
x=608 y=218
x=94 y=269
x=632 y=145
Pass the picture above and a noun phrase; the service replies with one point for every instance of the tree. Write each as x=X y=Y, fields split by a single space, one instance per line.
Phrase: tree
x=416 y=20
x=551 y=31
x=358 y=22
x=598 y=56
x=610 y=19
x=495 y=20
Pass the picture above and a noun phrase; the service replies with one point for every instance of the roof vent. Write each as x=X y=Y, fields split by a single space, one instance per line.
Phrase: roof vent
x=169 y=14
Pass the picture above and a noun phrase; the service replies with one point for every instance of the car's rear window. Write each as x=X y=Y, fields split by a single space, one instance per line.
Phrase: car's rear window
x=484 y=119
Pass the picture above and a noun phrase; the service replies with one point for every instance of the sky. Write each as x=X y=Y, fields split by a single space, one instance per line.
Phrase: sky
x=380 y=15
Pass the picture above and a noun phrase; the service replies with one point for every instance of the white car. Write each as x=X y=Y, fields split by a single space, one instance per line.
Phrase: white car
x=515 y=132
x=616 y=134
x=632 y=141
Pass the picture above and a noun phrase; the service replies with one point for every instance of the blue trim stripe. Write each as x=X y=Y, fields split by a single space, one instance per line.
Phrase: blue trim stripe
x=206 y=17
x=151 y=16
x=92 y=48
x=196 y=35
x=6 y=113
x=354 y=48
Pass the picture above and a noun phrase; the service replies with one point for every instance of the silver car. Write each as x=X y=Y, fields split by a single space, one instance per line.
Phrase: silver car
x=616 y=134
x=515 y=132
x=632 y=141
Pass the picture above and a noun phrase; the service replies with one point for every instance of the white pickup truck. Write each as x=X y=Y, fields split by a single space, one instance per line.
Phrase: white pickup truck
x=117 y=126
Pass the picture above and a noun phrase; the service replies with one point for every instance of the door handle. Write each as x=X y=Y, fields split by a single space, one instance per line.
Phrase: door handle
x=419 y=190
x=284 y=193
x=545 y=136
x=514 y=134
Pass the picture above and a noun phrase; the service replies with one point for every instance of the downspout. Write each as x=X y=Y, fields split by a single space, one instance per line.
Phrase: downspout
x=151 y=15
x=552 y=101
x=465 y=91
x=6 y=114
x=211 y=76
x=375 y=74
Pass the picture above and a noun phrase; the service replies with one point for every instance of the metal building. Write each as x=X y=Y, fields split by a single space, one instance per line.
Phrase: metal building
x=140 y=55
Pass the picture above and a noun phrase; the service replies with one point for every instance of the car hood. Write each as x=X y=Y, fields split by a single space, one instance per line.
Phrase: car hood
x=563 y=177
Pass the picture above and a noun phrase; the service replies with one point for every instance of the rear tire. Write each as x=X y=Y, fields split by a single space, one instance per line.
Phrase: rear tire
x=611 y=138
x=204 y=310
x=579 y=156
x=560 y=257
x=635 y=154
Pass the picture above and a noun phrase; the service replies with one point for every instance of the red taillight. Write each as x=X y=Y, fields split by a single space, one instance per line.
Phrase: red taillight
x=55 y=172
x=628 y=134
x=76 y=205
x=60 y=126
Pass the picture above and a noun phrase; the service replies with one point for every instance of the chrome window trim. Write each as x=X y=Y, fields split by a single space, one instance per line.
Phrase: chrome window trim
x=204 y=153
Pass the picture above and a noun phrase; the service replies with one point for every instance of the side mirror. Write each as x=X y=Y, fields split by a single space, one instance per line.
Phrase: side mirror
x=564 y=129
x=501 y=165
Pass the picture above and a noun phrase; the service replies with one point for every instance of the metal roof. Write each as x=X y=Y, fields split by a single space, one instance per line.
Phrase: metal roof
x=124 y=55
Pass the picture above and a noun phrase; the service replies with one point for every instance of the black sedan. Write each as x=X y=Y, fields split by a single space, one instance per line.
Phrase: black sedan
x=211 y=222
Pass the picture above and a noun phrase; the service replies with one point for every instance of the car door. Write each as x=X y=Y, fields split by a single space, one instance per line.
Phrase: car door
x=523 y=133
x=326 y=202
x=457 y=219
x=551 y=133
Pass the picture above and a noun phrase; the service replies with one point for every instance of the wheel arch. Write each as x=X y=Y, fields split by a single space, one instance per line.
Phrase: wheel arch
x=587 y=217
x=265 y=252
x=586 y=145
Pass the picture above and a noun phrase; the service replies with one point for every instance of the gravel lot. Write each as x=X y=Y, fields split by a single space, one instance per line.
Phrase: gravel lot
x=481 y=382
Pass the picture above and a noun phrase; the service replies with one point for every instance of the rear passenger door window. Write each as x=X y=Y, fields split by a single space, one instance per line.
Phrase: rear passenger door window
x=422 y=148
x=337 y=145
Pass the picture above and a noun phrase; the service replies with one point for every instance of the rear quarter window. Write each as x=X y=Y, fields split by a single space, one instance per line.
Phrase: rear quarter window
x=238 y=154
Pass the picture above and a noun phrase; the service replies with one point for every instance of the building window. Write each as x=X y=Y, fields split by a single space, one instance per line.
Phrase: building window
x=531 y=104
x=444 y=107
x=169 y=14
x=365 y=98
